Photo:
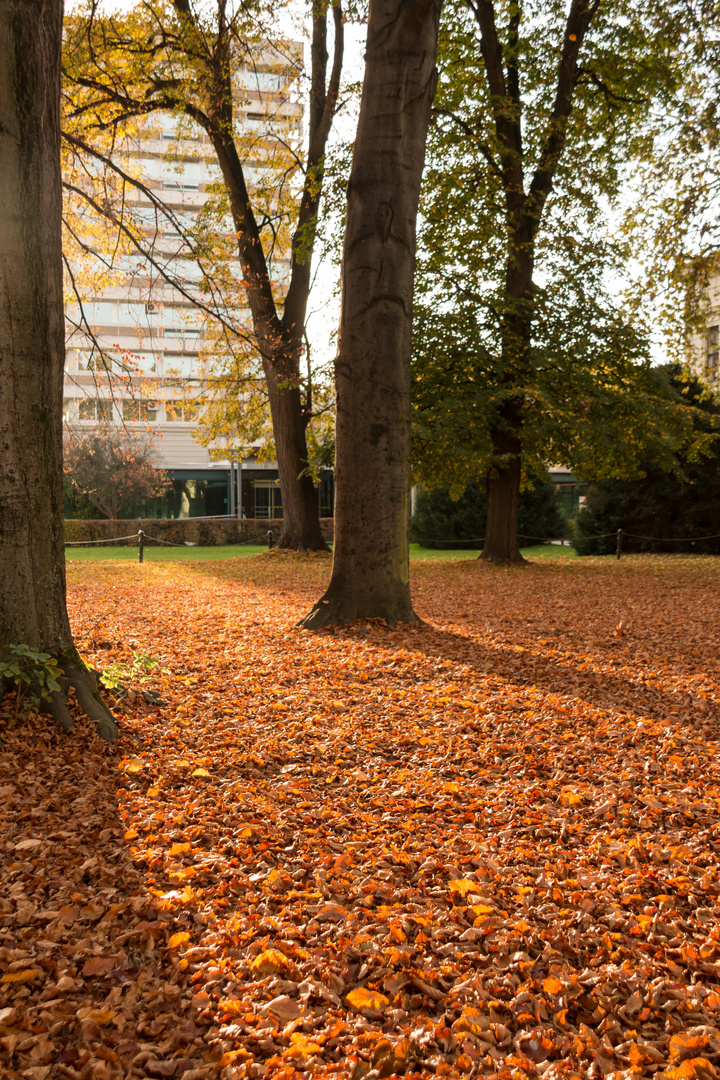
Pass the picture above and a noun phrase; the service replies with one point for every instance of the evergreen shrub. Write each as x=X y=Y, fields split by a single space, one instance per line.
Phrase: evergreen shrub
x=444 y=523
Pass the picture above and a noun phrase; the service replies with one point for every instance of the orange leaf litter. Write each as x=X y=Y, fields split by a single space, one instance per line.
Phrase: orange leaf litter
x=483 y=847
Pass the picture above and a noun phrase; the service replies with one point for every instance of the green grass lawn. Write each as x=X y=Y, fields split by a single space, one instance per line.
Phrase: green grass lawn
x=158 y=553
x=539 y=551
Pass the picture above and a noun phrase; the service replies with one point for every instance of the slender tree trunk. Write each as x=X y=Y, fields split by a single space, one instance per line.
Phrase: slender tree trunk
x=504 y=476
x=301 y=511
x=370 y=577
x=281 y=338
x=503 y=490
x=32 y=348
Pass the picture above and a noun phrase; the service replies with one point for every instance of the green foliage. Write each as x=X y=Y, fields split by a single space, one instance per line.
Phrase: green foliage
x=440 y=521
x=590 y=399
x=115 y=676
x=35 y=676
x=562 y=366
x=671 y=216
x=676 y=503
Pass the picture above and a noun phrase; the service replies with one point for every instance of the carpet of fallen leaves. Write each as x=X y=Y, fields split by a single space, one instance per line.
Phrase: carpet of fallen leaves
x=483 y=847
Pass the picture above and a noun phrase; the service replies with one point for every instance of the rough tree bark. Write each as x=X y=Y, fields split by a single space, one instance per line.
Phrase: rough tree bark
x=32 y=351
x=370 y=575
x=503 y=492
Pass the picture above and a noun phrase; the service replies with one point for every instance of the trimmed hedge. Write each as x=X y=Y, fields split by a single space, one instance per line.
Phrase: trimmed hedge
x=205 y=532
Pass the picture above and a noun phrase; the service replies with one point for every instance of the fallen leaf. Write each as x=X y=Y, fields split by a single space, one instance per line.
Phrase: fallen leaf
x=98 y=965
x=132 y=765
x=366 y=999
x=462 y=886
x=269 y=961
x=178 y=939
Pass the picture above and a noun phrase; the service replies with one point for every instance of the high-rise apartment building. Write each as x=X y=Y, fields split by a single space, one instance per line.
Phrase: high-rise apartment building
x=135 y=344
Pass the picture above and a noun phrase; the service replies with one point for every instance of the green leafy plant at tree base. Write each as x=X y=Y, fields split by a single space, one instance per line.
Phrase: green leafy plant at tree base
x=35 y=674
x=115 y=676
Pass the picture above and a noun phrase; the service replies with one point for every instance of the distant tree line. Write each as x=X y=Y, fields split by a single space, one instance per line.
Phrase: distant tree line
x=677 y=504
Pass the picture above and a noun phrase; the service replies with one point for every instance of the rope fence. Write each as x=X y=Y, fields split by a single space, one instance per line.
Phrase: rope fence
x=520 y=536
x=111 y=540
x=620 y=536
x=142 y=538
x=671 y=539
x=168 y=543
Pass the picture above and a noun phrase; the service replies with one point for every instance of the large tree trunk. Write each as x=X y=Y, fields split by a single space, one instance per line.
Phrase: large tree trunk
x=32 y=349
x=370 y=576
x=301 y=512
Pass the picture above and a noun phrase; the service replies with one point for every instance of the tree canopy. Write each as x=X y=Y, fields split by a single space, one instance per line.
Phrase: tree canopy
x=186 y=60
x=523 y=355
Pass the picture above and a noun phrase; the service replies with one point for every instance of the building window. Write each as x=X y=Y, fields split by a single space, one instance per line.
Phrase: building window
x=268 y=499
x=98 y=409
x=176 y=411
x=136 y=410
x=96 y=360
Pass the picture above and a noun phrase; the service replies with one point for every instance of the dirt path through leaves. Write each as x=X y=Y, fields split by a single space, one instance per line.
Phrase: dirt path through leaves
x=486 y=846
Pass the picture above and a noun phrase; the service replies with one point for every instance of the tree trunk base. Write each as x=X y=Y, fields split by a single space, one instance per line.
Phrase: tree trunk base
x=289 y=541
x=83 y=683
x=336 y=609
x=503 y=560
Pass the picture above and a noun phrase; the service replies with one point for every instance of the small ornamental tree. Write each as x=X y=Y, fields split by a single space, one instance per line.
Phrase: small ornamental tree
x=111 y=468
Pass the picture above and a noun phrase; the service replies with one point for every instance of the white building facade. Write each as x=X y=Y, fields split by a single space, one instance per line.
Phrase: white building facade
x=705 y=344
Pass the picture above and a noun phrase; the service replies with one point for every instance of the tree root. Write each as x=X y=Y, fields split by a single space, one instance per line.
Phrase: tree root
x=294 y=549
x=83 y=683
x=338 y=611
x=503 y=561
